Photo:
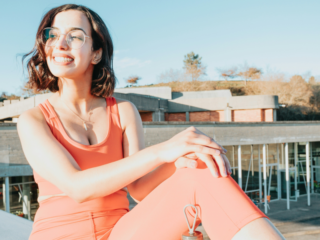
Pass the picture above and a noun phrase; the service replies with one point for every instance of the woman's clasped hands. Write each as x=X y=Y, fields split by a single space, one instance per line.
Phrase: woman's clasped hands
x=191 y=145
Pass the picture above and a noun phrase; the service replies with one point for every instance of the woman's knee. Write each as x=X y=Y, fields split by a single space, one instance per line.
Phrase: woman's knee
x=190 y=176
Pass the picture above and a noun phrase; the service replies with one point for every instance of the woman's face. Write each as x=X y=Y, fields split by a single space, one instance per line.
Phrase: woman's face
x=63 y=61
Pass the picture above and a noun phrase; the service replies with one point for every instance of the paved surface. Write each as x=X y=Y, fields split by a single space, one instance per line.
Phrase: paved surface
x=13 y=227
x=301 y=222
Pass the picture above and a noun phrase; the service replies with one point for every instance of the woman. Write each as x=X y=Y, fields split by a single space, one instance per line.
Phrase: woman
x=86 y=147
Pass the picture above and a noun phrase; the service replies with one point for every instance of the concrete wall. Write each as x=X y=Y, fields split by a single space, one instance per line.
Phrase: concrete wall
x=10 y=146
x=220 y=103
x=15 y=108
x=254 y=102
x=197 y=104
x=154 y=92
x=202 y=94
x=12 y=159
x=232 y=133
x=13 y=162
x=141 y=102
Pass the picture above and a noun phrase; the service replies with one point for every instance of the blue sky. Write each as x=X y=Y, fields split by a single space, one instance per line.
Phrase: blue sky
x=151 y=37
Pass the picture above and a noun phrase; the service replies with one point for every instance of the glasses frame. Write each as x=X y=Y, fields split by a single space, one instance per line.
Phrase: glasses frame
x=85 y=36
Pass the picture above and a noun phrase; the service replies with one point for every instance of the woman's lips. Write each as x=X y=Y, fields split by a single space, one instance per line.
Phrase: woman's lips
x=62 y=60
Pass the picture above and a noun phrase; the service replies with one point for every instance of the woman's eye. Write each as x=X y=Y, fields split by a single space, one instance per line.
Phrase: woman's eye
x=76 y=38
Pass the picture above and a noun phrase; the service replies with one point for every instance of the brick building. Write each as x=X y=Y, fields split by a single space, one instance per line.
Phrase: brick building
x=203 y=106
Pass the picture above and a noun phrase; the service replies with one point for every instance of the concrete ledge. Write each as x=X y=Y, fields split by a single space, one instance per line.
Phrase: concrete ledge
x=13 y=227
x=197 y=104
x=234 y=133
x=202 y=94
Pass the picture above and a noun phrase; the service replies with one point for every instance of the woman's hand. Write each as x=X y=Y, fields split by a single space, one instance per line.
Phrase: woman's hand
x=192 y=161
x=189 y=141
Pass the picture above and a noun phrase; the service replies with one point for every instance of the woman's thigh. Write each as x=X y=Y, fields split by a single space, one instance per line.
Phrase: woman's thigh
x=223 y=208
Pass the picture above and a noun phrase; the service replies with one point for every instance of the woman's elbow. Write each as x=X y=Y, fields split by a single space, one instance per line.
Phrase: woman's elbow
x=77 y=196
x=74 y=192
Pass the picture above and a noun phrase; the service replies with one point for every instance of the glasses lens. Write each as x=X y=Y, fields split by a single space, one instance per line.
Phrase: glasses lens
x=50 y=36
x=75 y=39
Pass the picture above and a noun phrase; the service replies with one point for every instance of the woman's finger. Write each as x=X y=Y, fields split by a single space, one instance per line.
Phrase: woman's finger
x=221 y=164
x=194 y=148
x=208 y=160
x=200 y=139
x=227 y=163
x=223 y=149
x=191 y=155
x=184 y=162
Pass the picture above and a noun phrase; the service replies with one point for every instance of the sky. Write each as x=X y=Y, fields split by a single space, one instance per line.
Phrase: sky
x=152 y=37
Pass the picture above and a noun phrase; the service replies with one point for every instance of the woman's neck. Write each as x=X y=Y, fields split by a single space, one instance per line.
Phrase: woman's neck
x=75 y=93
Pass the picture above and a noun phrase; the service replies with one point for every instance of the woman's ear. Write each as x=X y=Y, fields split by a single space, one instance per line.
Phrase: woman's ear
x=97 y=56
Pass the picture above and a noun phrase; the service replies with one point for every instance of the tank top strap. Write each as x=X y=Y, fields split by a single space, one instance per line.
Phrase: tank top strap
x=47 y=113
x=113 y=106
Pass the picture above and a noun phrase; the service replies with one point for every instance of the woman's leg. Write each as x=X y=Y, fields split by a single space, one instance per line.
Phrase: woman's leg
x=261 y=229
x=222 y=206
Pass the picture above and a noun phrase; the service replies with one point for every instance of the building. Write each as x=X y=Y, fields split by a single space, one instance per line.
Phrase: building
x=160 y=104
x=270 y=160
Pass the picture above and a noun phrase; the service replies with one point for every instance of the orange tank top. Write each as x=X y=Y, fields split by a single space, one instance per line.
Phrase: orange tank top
x=87 y=156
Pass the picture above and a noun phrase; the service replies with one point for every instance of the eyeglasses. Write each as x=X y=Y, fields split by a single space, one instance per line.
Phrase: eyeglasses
x=75 y=38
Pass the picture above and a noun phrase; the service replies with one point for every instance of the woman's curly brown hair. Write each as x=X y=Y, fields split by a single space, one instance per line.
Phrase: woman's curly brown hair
x=103 y=78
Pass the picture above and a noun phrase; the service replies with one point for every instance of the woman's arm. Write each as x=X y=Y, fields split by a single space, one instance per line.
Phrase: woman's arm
x=55 y=164
x=133 y=141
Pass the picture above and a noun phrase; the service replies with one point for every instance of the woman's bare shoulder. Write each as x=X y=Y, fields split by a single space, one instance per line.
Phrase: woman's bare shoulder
x=128 y=112
x=34 y=114
x=31 y=120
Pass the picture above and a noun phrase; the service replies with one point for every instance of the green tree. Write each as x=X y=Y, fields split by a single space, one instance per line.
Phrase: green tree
x=193 y=66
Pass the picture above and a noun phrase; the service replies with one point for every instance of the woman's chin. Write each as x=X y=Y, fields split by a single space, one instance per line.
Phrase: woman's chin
x=62 y=73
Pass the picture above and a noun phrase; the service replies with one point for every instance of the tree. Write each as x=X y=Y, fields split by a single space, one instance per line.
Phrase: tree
x=193 y=66
x=6 y=96
x=312 y=80
x=171 y=76
x=228 y=73
x=133 y=80
x=298 y=92
x=3 y=96
x=249 y=73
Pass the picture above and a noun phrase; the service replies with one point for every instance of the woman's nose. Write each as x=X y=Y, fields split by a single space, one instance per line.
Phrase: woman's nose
x=61 y=42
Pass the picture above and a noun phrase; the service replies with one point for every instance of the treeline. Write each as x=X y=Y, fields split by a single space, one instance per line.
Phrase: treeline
x=299 y=96
x=298 y=99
